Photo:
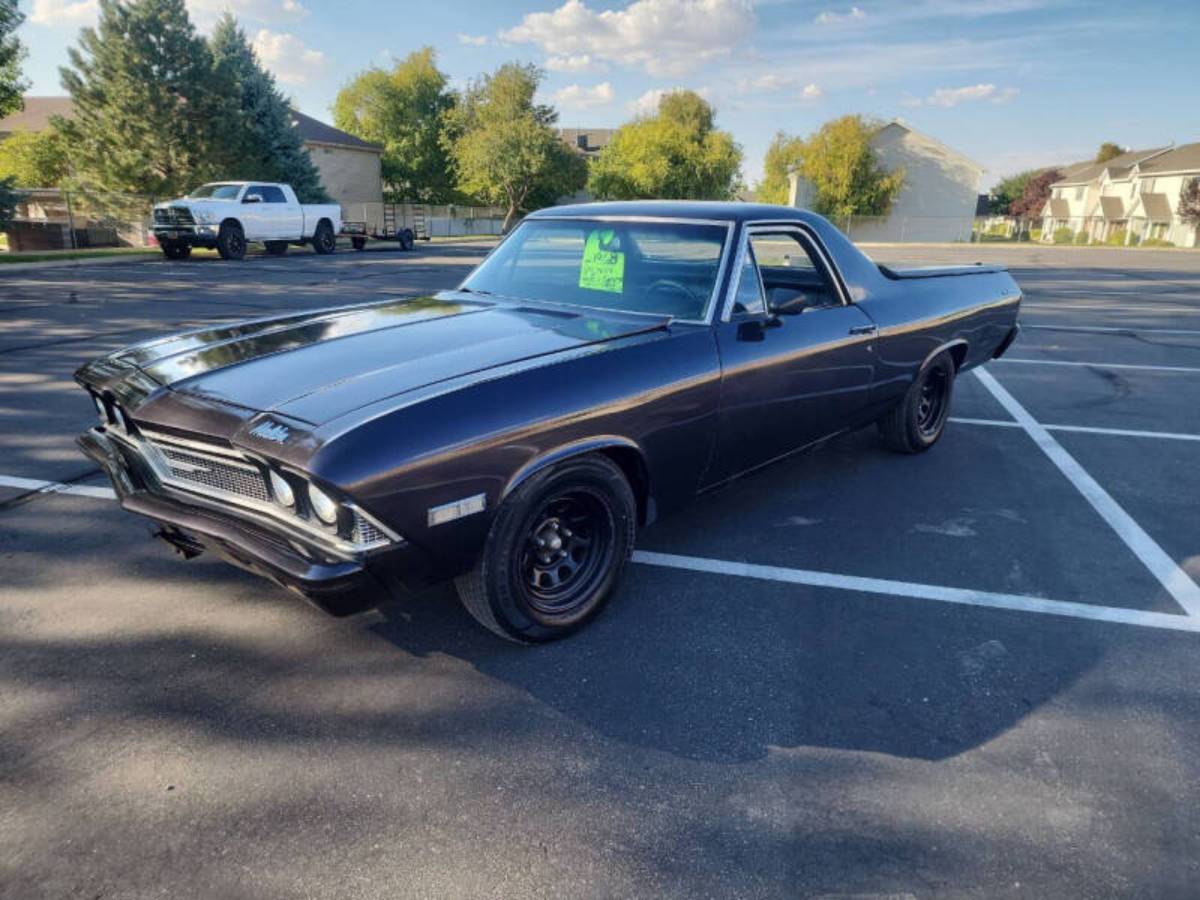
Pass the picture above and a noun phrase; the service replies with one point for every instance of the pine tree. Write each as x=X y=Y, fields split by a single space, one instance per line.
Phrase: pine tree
x=266 y=146
x=11 y=54
x=149 y=117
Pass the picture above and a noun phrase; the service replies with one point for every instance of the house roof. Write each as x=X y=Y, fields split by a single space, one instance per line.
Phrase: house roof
x=1185 y=158
x=1060 y=208
x=1117 y=167
x=317 y=132
x=1112 y=208
x=38 y=111
x=1155 y=207
x=904 y=126
x=36 y=114
x=594 y=139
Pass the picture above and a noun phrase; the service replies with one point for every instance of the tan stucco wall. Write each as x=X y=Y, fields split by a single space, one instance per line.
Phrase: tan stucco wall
x=350 y=176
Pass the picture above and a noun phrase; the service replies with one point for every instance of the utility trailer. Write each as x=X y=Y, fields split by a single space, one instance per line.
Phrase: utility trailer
x=404 y=223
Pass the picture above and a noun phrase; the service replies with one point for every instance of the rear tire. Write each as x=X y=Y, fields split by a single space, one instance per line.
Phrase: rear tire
x=324 y=240
x=583 y=513
x=358 y=243
x=276 y=248
x=405 y=238
x=917 y=422
x=231 y=241
x=176 y=250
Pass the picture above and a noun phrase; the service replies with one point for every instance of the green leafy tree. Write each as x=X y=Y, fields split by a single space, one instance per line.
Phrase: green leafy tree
x=261 y=142
x=849 y=181
x=11 y=53
x=149 y=116
x=1007 y=190
x=402 y=109
x=784 y=152
x=678 y=153
x=504 y=147
x=1107 y=151
x=34 y=158
x=1189 y=205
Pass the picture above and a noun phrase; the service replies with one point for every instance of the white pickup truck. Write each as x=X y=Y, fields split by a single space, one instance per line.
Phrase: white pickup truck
x=230 y=214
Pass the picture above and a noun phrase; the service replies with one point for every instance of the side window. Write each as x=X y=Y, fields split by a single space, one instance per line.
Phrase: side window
x=749 y=299
x=791 y=274
x=273 y=194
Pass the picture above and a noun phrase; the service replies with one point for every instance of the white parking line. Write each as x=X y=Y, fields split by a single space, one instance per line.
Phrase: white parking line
x=1016 y=602
x=1111 y=330
x=54 y=487
x=1098 y=365
x=1165 y=569
x=1085 y=429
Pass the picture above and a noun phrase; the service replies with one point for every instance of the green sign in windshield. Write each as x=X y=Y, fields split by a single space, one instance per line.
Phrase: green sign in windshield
x=602 y=269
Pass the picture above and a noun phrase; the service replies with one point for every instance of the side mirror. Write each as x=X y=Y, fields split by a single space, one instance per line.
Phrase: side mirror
x=253 y=198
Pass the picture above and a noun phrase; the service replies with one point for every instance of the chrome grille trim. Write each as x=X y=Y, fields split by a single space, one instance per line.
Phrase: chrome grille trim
x=233 y=478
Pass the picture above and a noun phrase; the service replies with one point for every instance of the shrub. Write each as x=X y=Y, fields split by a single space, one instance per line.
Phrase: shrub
x=1082 y=238
x=1035 y=234
x=1157 y=242
x=1063 y=235
x=1117 y=238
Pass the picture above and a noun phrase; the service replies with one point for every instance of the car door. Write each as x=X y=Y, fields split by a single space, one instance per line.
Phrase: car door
x=797 y=357
x=284 y=210
x=255 y=215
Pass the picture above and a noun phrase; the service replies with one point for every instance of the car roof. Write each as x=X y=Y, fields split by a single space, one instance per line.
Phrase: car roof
x=729 y=211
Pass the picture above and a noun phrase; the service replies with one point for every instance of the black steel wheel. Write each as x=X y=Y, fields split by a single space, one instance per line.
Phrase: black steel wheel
x=231 y=241
x=276 y=248
x=324 y=240
x=917 y=422
x=555 y=552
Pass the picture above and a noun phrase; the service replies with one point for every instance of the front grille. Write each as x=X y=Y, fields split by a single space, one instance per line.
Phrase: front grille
x=173 y=215
x=240 y=479
x=366 y=532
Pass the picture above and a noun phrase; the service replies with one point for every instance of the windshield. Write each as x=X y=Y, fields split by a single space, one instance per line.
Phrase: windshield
x=217 y=191
x=663 y=268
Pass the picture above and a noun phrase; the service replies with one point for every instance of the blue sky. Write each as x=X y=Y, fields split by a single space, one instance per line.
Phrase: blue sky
x=1010 y=83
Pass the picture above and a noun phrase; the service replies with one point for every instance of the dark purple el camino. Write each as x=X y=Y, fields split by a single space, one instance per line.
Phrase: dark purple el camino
x=603 y=365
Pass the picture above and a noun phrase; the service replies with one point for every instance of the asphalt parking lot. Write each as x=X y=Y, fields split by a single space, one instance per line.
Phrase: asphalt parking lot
x=975 y=672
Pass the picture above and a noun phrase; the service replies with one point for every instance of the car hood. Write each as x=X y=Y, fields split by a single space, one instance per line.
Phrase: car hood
x=197 y=203
x=318 y=366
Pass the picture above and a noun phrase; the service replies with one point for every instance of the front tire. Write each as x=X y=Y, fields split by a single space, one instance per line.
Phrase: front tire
x=406 y=238
x=231 y=241
x=276 y=248
x=917 y=421
x=176 y=249
x=324 y=240
x=555 y=553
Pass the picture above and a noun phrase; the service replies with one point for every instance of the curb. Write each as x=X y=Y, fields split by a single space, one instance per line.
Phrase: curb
x=78 y=262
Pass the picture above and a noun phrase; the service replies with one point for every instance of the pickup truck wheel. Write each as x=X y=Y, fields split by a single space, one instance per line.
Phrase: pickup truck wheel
x=916 y=423
x=231 y=241
x=276 y=248
x=555 y=553
x=176 y=250
x=358 y=243
x=324 y=240
x=406 y=238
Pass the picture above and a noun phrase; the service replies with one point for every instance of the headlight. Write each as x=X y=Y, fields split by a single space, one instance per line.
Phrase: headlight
x=323 y=505
x=282 y=490
x=205 y=217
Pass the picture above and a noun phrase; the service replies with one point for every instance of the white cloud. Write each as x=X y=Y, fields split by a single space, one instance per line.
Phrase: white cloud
x=647 y=104
x=63 y=12
x=776 y=82
x=811 y=91
x=948 y=97
x=288 y=57
x=576 y=96
x=473 y=40
x=837 y=18
x=581 y=63
x=664 y=37
x=206 y=12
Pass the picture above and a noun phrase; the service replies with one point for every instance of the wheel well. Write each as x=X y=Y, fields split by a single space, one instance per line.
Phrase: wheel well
x=231 y=221
x=958 y=353
x=324 y=220
x=631 y=464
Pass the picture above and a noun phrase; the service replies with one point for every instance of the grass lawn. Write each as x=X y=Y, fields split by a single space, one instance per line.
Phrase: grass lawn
x=55 y=255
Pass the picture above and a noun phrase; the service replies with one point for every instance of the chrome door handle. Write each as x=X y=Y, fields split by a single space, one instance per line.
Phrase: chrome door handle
x=865 y=329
